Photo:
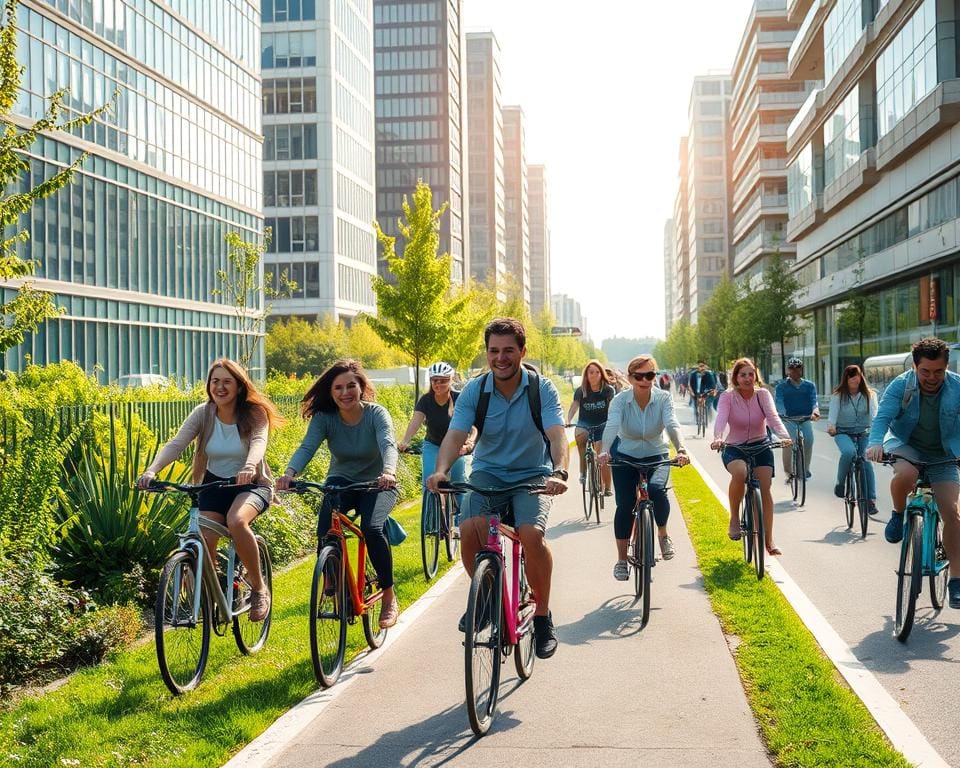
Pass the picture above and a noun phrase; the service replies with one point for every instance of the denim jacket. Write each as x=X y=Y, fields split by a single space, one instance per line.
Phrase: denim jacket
x=901 y=426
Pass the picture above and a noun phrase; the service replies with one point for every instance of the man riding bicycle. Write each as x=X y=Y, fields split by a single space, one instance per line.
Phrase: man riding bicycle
x=796 y=397
x=703 y=383
x=919 y=408
x=510 y=449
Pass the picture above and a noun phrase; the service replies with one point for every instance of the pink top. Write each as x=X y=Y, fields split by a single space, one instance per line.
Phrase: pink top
x=747 y=419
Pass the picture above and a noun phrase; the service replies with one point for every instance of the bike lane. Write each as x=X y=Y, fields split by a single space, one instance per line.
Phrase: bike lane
x=612 y=695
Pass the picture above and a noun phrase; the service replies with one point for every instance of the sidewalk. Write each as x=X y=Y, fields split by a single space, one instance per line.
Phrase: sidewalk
x=612 y=695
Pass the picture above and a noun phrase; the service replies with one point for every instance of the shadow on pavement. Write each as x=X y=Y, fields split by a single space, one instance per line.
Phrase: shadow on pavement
x=881 y=652
x=841 y=537
x=614 y=619
x=573 y=525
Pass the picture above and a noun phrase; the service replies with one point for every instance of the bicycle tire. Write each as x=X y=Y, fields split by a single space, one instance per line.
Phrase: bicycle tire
x=759 y=542
x=634 y=554
x=597 y=492
x=908 y=577
x=430 y=534
x=252 y=635
x=647 y=559
x=523 y=654
x=451 y=543
x=585 y=489
x=863 y=503
x=939 y=578
x=746 y=526
x=849 y=498
x=328 y=616
x=182 y=646
x=372 y=631
x=802 y=475
x=481 y=645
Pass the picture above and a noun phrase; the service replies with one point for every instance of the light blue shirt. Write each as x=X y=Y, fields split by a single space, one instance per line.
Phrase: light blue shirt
x=510 y=447
x=641 y=429
x=901 y=424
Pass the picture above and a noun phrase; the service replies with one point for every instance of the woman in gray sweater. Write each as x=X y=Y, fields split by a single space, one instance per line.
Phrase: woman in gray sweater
x=852 y=409
x=359 y=434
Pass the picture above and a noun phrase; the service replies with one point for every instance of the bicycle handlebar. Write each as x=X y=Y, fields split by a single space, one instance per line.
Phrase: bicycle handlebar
x=892 y=458
x=752 y=449
x=853 y=433
x=302 y=486
x=161 y=486
x=642 y=465
x=447 y=486
x=796 y=419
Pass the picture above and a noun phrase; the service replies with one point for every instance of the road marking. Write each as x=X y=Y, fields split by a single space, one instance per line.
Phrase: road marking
x=900 y=729
x=282 y=732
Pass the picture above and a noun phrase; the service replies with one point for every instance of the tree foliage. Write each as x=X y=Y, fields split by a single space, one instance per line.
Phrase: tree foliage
x=712 y=321
x=465 y=338
x=860 y=314
x=777 y=304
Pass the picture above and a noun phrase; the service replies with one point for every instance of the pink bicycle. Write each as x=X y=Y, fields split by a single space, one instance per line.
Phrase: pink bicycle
x=500 y=607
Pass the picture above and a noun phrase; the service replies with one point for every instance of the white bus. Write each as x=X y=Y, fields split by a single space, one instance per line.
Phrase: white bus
x=880 y=370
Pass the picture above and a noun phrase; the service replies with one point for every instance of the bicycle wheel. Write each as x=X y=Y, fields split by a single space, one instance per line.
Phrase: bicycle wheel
x=746 y=526
x=372 y=630
x=430 y=534
x=182 y=643
x=251 y=635
x=597 y=492
x=452 y=543
x=585 y=490
x=802 y=474
x=941 y=572
x=481 y=645
x=646 y=558
x=909 y=577
x=863 y=503
x=849 y=498
x=523 y=655
x=328 y=616
x=759 y=539
x=635 y=554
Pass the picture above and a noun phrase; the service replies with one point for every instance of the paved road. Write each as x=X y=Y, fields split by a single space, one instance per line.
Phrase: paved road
x=853 y=583
x=612 y=695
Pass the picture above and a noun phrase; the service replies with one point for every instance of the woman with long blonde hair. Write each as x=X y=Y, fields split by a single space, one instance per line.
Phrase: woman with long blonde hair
x=592 y=399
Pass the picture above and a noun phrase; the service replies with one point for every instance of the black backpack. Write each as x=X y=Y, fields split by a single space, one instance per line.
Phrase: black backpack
x=533 y=398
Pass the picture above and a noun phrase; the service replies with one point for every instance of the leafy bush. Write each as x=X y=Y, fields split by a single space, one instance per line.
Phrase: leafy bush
x=94 y=634
x=289 y=528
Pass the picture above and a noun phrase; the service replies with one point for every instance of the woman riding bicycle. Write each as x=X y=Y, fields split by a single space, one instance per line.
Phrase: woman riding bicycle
x=435 y=408
x=231 y=431
x=636 y=421
x=852 y=408
x=748 y=411
x=592 y=398
x=359 y=434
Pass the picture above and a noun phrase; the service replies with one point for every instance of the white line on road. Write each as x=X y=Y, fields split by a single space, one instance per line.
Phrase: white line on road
x=903 y=734
x=289 y=725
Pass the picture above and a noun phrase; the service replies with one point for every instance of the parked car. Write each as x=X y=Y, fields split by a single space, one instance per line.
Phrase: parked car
x=132 y=380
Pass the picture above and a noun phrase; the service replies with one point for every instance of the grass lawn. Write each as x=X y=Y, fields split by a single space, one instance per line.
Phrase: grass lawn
x=120 y=713
x=807 y=714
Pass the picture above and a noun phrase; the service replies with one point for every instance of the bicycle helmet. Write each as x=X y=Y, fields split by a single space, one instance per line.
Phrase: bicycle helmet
x=440 y=370
x=794 y=362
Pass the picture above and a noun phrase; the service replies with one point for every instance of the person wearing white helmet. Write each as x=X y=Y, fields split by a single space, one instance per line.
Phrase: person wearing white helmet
x=435 y=408
x=796 y=397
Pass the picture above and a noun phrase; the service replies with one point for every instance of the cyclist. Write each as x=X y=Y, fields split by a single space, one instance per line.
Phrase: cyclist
x=852 y=408
x=230 y=431
x=359 y=434
x=797 y=396
x=435 y=408
x=592 y=399
x=510 y=449
x=919 y=407
x=616 y=380
x=747 y=411
x=636 y=422
x=703 y=383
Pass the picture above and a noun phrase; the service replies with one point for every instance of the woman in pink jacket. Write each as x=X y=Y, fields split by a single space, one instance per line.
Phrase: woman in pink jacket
x=746 y=410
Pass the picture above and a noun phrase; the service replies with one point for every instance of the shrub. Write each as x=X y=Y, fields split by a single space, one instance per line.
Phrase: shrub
x=289 y=528
x=92 y=635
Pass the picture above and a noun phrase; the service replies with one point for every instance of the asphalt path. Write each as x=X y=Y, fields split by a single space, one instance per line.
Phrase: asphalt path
x=852 y=581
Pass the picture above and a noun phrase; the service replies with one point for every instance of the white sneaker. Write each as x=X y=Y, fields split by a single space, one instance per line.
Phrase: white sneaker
x=620 y=571
x=455 y=532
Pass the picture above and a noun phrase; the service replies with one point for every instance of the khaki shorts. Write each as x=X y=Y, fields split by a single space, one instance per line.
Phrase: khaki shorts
x=528 y=508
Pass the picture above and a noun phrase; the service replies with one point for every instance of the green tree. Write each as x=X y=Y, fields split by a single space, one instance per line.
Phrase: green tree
x=465 y=338
x=777 y=305
x=30 y=307
x=860 y=313
x=712 y=320
x=364 y=344
x=413 y=311
x=295 y=346
x=743 y=333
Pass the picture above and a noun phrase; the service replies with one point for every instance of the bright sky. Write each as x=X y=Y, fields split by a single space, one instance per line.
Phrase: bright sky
x=605 y=88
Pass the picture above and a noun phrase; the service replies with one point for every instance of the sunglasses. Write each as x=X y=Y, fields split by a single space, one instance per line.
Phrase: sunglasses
x=649 y=376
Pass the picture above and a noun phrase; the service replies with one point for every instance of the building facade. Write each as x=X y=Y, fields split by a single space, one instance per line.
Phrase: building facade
x=419 y=60
x=516 y=214
x=680 y=276
x=485 y=162
x=567 y=313
x=873 y=178
x=130 y=250
x=539 y=239
x=318 y=149
x=669 y=278
x=765 y=100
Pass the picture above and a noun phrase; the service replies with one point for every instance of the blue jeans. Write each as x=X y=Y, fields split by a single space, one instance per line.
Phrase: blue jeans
x=428 y=461
x=807 y=429
x=625 y=487
x=848 y=449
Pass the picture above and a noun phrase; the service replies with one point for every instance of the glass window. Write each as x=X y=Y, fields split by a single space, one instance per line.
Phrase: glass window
x=800 y=181
x=907 y=68
x=841 y=137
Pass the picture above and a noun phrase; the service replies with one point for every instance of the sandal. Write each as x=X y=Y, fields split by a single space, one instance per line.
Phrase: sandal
x=734 y=533
x=773 y=551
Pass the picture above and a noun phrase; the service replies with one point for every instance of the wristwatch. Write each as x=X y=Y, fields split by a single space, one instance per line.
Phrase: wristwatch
x=561 y=473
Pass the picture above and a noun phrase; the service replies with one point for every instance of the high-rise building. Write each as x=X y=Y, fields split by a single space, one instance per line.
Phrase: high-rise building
x=681 y=274
x=419 y=58
x=669 y=268
x=539 y=239
x=485 y=148
x=873 y=178
x=318 y=189
x=567 y=313
x=131 y=248
x=708 y=188
x=516 y=215
x=765 y=100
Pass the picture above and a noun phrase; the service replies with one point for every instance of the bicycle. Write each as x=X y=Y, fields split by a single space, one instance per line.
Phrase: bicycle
x=921 y=550
x=499 y=619
x=592 y=486
x=752 y=532
x=185 y=614
x=437 y=516
x=641 y=556
x=702 y=415
x=855 y=485
x=337 y=596
x=798 y=478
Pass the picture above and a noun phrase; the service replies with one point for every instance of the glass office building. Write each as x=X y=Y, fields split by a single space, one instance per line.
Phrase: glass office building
x=131 y=249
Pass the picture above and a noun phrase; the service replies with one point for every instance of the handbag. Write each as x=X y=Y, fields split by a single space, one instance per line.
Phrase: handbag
x=394 y=532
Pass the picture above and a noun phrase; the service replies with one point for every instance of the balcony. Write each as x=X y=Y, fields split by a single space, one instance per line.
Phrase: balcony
x=797 y=9
x=798 y=126
x=766 y=169
x=806 y=218
x=805 y=59
x=775 y=37
x=760 y=205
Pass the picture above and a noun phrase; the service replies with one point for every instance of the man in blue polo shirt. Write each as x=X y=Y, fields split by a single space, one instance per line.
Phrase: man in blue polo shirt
x=509 y=450
x=797 y=397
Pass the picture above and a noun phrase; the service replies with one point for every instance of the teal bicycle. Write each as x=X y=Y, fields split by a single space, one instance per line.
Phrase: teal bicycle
x=921 y=552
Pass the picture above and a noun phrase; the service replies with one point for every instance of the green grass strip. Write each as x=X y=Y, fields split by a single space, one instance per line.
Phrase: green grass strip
x=807 y=714
x=120 y=713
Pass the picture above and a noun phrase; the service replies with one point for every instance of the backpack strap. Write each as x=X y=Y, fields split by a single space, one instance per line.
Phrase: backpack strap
x=483 y=402
x=909 y=391
x=533 y=398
